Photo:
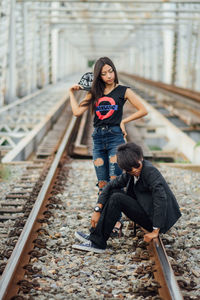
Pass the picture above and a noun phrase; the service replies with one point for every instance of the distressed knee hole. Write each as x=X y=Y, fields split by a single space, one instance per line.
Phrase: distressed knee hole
x=112 y=177
x=98 y=162
x=113 y=159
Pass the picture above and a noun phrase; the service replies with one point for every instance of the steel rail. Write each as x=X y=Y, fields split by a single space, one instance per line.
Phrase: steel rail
x=80 y=148
x=164 y=273
x=169 y=87
x=13 y=267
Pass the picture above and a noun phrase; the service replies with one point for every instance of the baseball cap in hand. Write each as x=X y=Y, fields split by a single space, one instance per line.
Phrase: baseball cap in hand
x=86 y=81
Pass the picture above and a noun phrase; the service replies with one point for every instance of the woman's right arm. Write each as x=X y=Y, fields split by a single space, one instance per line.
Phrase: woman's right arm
x=77 y=109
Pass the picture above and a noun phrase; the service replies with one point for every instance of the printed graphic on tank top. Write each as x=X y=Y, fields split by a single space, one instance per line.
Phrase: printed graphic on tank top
x=109 y=108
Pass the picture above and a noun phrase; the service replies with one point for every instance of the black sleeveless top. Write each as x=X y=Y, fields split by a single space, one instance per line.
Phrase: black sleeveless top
x=109 y=108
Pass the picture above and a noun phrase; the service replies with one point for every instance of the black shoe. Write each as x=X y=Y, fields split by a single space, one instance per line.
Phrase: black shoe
x=89 y=246
x=117 y=232
x=82 y=237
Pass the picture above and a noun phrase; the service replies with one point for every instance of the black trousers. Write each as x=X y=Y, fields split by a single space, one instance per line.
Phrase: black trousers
x=117 y=203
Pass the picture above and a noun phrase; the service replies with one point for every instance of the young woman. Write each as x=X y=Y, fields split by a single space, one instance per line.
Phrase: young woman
x=106 y=100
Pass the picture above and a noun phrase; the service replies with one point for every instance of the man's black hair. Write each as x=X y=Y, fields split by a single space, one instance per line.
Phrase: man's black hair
x=128 y=156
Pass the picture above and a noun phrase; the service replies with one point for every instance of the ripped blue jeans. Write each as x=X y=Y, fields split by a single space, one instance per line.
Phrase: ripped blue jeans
x=106 y=139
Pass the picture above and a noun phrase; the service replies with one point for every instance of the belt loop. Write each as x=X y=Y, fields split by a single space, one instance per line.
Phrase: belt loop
x=103 y=127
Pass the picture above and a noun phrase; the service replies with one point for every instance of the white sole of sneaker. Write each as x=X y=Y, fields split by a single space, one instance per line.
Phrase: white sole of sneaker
x=89 y=249
x=80 y=238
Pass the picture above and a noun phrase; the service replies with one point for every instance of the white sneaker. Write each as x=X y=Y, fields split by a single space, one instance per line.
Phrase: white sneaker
x=82 y=237
x=89 y=246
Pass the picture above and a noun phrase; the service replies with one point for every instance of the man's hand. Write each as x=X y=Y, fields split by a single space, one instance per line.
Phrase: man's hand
x=151 y=235
x=95 y=218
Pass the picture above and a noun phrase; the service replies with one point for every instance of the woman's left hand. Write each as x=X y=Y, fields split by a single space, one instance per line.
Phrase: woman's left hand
x=122 y=126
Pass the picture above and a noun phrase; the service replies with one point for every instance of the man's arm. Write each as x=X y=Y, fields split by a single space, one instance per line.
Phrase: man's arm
x=117 y=183
x=96 y=216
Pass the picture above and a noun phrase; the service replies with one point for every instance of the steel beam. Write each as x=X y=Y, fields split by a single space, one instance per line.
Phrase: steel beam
x=92 y=19
x=131 y=11
x=116 y=1
x=11 y=93
x=62 y=26
x=117 y=23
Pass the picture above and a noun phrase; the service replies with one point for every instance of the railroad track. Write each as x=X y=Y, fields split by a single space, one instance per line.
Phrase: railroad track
x=180 y=106
x=193 y=95
x=29 y=207
x=38 y=214
x=26 y=240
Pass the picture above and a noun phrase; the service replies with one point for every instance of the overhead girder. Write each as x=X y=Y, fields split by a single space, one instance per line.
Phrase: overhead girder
x=138 y=33
x=116 y=1
x=91 y=20
x=109 y=10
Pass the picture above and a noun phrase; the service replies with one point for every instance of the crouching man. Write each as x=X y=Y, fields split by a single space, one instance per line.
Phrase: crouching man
x=141 y=193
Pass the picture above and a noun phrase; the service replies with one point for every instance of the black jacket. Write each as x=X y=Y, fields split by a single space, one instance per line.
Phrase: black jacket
x=152 y=193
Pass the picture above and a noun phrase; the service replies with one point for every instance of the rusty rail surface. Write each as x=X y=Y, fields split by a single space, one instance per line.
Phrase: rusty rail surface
x=168 y=87
x=163 y=272
x=14 y=271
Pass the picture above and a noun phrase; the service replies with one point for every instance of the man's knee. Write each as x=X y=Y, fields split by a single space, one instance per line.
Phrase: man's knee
x=117 y=191
x=115 y=197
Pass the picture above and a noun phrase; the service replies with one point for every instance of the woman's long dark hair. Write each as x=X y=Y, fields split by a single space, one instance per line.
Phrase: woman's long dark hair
x=98 y=85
